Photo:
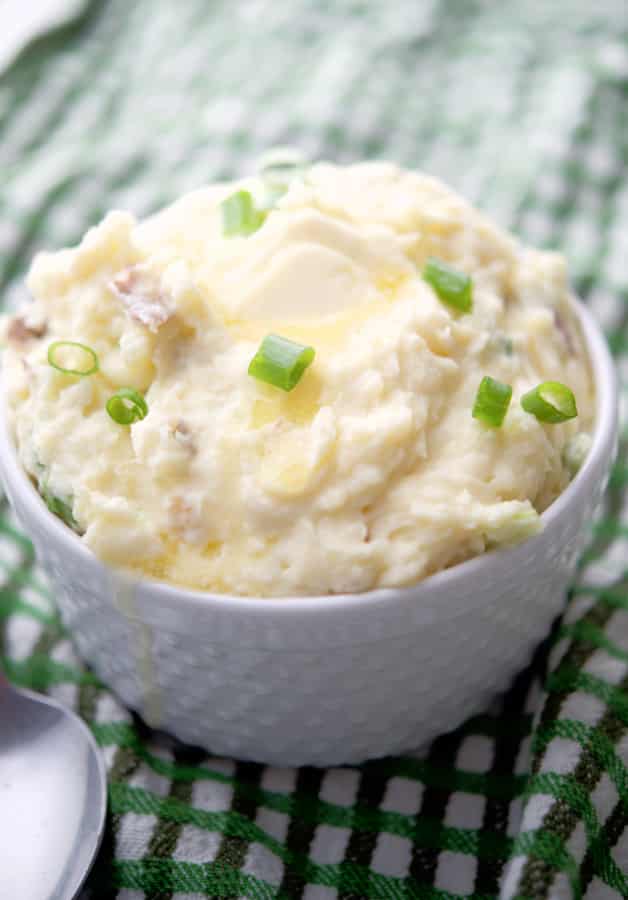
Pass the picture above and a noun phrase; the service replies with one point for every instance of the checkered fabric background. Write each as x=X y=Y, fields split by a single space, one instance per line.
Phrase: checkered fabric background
x=523 y=107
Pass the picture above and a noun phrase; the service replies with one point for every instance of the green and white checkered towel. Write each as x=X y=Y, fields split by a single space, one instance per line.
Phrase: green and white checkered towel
x=523 y=107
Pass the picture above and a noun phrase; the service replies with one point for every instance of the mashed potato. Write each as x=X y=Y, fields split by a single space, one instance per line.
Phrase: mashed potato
x=372 y=471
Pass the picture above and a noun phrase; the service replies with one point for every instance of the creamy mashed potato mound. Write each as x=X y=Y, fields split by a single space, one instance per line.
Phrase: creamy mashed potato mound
x=372 y=471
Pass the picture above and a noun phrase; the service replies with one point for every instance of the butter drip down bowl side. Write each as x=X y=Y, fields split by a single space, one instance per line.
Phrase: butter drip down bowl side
x=332 y=679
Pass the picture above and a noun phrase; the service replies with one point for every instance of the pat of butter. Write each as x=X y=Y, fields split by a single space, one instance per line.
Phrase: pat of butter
x=306 y=281
x=303 y=267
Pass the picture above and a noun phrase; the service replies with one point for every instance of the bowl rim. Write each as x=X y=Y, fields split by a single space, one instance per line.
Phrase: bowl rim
x=604 y=436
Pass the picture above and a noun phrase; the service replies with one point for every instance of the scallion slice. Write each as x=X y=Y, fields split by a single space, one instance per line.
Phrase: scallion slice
x=272 y=195
x=452 y=287
x=277 y=169
x=551 y=402
x=492 y=401
x=281 y=362
x=575 y=451
x=127 y=406
x=502 y=343
x=279 y=166
x=58 y=507
x=82 y=359
x=240 y=216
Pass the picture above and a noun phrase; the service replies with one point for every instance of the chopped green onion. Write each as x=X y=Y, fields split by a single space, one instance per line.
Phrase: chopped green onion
x=240 y=215
x=279 y=166
x=58 y=507
x=492 y=401
x=127 y=406
x=280 y=362
x=499 y=342
x=551 y=402
x=575 y=451
x=85 y=354
x=452 y=287
x=502 y=343
x=272 y=194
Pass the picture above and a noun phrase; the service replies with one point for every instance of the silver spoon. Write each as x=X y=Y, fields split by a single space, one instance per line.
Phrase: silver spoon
x=53 y=797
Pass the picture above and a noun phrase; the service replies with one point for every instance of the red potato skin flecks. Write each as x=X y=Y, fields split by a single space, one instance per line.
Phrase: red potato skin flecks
x=141 y=299
x=20 y=331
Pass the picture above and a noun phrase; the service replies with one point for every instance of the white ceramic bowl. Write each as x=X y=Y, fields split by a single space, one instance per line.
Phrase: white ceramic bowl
x=323 y=680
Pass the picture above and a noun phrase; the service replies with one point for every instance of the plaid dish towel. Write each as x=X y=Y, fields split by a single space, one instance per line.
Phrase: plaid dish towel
x=523 y=107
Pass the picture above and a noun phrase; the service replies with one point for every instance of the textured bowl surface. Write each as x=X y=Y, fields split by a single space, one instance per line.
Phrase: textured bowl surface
x=323 y=680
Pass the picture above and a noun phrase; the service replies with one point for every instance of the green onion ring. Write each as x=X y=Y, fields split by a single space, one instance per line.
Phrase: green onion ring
x=551 y=402
x=127 y=406
x=88 y=370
